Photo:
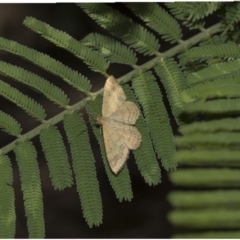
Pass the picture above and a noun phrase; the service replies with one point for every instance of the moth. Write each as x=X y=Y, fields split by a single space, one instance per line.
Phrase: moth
x=118 y=116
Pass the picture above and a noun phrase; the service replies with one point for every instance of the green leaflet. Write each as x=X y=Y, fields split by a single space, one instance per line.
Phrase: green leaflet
x=84 y=169
x=33 y=108
x=232 y=15
x=217 y=107
x=7 y=209
x=26 y=157
x=95 y=61
x=46 y=62
x=157 y=19
x=206 y=219
x=149 y=96
x=213 y=177
x=192 y=14
x=60 y=171
x=209 y=140
x=111 y=49
x=205 y=199
x=211 y=51
x=217 y=157
x=225 y=124
x=9 y=124
x=130 y=32
x=222 y=70
x=40 y=84
x=174 y=83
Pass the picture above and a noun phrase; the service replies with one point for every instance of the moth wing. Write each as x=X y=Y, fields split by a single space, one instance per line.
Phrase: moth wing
x=116 y=149
x=127 y=113
x=128 y=134
x=113 y=96
x=132 y=137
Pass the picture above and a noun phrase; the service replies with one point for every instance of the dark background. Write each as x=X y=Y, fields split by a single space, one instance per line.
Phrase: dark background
x=145 y=216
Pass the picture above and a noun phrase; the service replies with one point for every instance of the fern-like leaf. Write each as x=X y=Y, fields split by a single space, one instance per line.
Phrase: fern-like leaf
x=210 y=91
x=120 y=183
x=114 y=51
x=7 y=210
x=70 y=76
x=232 y=15
x=122 y=27
x=215 y=71
x=144 y=155
x=191 y=12
x=205 y=199
x=36 y=82
x=26 y=157
x=9 y=124
x=219 y=157
x=221 y=106
x=212 y=177
x=226 y=124
x=57 y=160
x=158 y=19
x=84 y=169
x=95 y=61
x=206 y=218
x=33 y=108
x=211 y=51
x=149 y=96
x=174 y=83
x=210 y=140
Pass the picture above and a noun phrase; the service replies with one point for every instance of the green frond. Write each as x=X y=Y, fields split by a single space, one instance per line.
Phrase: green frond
x=53 y=66
x=227 y=50
x=57 y=160
x=9 y=124
x=174 y=83
x=232 y=15
x=26 y=157
x=205 y=199
x=206 y=218
x=225 y=124
x=209 y=234
x=210 y=91
x=95 y=61
x=6 y=176
x=191 y=67
x=191 y=12
x=206 y=177
x=33 y=108
x=221 y=106
x=208 y=158
x=226 y=69
x=84 y=169
x=157 y=19
x=209 y=140
x=122 y=27
x=156 y=117
x=121 y=183
x=144 y=155
x=111 y=49
x=36 y=82
x=7 y=209
x=212 y=40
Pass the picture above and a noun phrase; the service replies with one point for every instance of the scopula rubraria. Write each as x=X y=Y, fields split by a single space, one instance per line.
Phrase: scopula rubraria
x=117 y=117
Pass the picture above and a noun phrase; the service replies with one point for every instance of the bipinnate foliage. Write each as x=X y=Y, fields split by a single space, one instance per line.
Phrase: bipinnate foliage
x=198 y=77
